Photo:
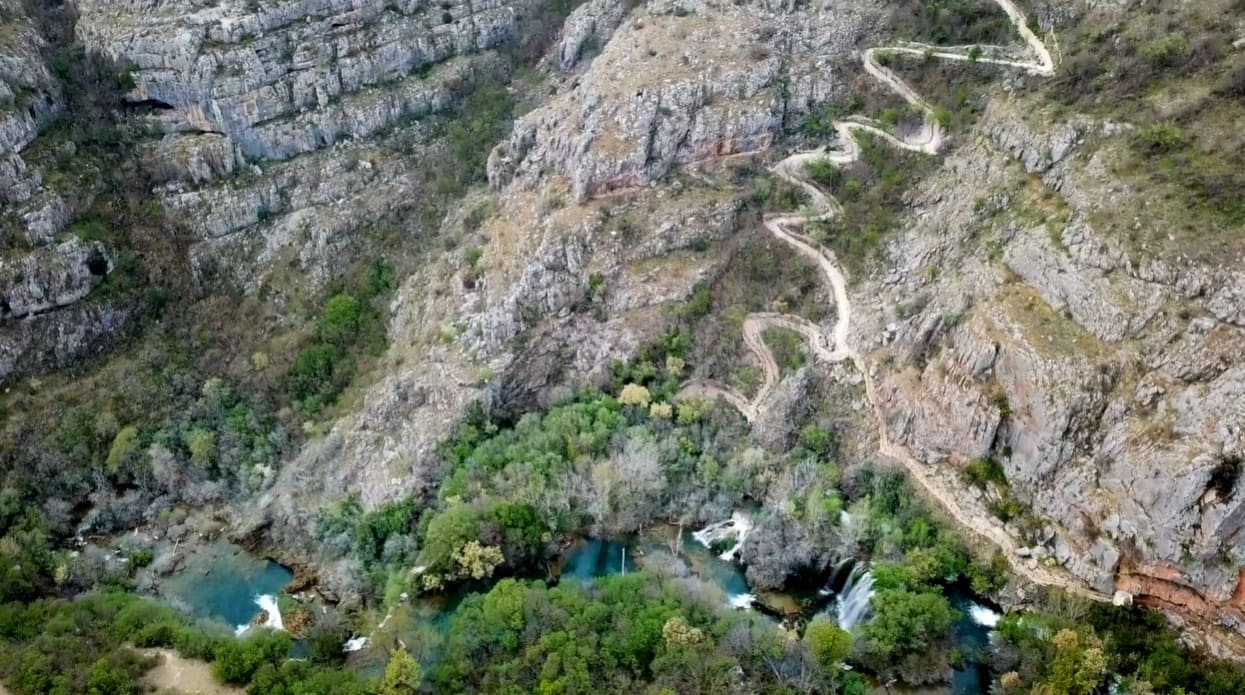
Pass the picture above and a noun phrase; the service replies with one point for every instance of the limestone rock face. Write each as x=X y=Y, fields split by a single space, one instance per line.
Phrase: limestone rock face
x=286 y=78
x=50 y=277
x=275 y=132
x=30 y=98
x=506 y=337
x=588 y=29
x=57 y=339
x=681 y=82
x=788 y=405
x=778 y=549
x=1108 y=386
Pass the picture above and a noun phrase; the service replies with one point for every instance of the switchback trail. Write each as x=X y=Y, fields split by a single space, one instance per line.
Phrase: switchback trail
x=787 y=227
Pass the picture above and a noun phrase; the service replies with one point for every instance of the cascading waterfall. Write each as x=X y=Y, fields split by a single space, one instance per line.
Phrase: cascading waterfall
x=854 y=600
x=734 y=529
x=983 y=616
x=268 y=606
x=742 y=601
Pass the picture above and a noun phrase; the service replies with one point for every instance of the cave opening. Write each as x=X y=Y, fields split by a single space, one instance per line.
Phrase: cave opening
x=1224 y=476
x=97 y=265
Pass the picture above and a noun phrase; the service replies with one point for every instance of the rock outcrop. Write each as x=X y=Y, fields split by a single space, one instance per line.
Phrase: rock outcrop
x=276 y=133
x=1105 y=386
x=680 y=82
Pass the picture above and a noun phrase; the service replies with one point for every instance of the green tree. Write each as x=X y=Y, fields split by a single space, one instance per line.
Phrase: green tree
x=828 y=643
x=342 y=317
x=238 y=660
x=106 y=678
x=123 y=451
x=326 y=643
x=202 y=446
x=1078 y=666
x=312 y=374
x=401 y=675
x=906 y=622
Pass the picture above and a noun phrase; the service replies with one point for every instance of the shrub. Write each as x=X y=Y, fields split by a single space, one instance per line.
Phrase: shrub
x=341 y=319
x=829 y=645
x=312 y=374
x=124 y=450
x=401 y=674
x=906 y=622
x=634 y=394
x=1160 y=138
x=982 y=472
x=823 y=172
x=326 y=643
x=1168 y=51
x=238 y=660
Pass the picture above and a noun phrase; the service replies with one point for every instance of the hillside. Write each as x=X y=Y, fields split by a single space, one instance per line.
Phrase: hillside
x=410 y=297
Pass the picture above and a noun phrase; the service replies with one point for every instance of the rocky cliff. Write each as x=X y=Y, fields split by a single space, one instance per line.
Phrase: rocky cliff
x=1105 y=384
x=269 y=135
x=682 y=82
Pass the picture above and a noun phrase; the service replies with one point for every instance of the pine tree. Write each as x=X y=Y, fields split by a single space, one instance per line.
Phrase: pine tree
x=401 y=675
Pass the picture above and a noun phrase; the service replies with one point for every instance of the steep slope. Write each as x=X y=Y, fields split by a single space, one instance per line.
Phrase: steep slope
x=1057 y=292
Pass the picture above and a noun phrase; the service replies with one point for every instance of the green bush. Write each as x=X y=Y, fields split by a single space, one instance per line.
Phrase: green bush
x=236 y=661
x=635 y=629
x=823 y=172
x=982 y=472
x=906 y=622
x=314 y=374
x=1159 y=138
x=340 y=322
x=1168 y=51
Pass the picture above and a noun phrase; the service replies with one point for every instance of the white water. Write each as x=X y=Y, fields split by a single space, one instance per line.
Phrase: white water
x=268 y=605
x=735 y=528
x=854 y=600
x=983 y=616
x=742 y=601
x=355 y=644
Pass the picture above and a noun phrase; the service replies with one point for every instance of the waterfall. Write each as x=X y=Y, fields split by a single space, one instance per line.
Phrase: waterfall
x=853 y=601
x=742 y=601
x=983 y=616
x=734 y=529
x=355 y=644
x=268 y=605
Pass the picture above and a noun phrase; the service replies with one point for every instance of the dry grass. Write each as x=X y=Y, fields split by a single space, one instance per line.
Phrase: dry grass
x=1040 y=326
x=175 y=674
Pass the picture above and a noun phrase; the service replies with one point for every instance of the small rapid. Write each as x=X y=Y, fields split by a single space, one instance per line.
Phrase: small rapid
x=269 y=609
x=734 y=530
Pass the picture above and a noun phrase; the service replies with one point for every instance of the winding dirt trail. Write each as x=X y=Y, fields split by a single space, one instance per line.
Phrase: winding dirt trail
x=787 y=228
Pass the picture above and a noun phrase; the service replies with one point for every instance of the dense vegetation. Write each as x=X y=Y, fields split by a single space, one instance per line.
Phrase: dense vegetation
x=624 y=633
x=595 y=463
x=1079 y=649
x=90 y=645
